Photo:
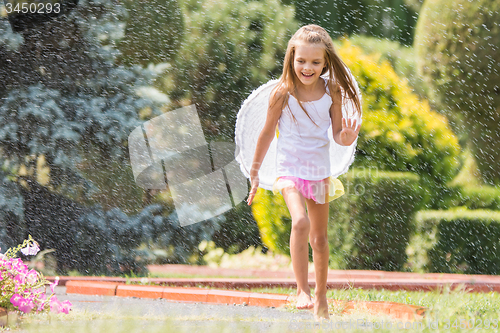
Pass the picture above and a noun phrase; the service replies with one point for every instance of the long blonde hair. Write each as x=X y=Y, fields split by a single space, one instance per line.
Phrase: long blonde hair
x=337 y=69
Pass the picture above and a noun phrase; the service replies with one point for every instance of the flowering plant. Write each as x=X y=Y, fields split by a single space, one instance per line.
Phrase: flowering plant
x=23 y=289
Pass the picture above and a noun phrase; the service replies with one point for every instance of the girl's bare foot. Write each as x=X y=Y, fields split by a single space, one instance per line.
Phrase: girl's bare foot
x=321 y=308
x=304 y=301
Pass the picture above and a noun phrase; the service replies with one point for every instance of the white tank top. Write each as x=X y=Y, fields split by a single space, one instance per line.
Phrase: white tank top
x=303 y=145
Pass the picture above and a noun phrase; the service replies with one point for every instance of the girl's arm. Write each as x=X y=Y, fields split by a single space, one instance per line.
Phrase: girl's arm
x=344 y=131
x=265 y=138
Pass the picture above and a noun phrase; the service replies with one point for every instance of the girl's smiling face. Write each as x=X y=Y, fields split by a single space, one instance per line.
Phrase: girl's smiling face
x=308 y=62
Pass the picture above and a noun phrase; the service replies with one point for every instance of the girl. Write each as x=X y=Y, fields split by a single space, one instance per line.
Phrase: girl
x=304 y=106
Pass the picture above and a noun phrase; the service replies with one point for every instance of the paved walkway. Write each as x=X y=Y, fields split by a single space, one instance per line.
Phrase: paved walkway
x=152 y=314
x=114 y=314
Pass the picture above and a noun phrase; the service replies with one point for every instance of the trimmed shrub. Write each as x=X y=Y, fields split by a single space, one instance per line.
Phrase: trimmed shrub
x=456 y=241
x=477 y=197
x=484 y=197
x=457 y=44
x=380 y=208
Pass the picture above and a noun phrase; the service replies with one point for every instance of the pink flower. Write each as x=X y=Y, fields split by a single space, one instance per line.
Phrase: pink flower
x=25 y=288
x=31 y=250
x=16 y=299
x=32 y=276
x=55 y=305
x=58 y=306
x=53 y=285
x=20 y=279
x=41 y=307
x=65 y=307
x=26 y=306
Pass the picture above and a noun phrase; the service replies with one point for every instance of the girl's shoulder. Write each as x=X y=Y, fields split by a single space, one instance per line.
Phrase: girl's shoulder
x=280 y=92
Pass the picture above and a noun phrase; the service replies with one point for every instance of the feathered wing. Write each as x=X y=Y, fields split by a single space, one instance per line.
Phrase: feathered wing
x=250 y=121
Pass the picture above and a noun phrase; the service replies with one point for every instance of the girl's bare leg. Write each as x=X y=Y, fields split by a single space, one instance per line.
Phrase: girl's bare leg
x=318 y=217
x=299 y=247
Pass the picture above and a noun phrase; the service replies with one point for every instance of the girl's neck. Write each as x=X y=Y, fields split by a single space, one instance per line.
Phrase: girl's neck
x=312 y=91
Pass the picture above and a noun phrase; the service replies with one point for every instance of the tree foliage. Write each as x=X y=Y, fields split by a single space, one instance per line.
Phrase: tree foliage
x=153 y=31
x=229 y=49
x=377 y=18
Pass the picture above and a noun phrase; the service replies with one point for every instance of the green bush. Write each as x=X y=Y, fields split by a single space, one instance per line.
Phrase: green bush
x=273 y=219
x=457 y=44
x=372 y=223
x=401 y=57
x=456 y=241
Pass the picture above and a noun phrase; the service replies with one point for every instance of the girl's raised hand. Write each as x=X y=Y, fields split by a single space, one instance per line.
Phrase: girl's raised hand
x=349 y=131
x=253 y=190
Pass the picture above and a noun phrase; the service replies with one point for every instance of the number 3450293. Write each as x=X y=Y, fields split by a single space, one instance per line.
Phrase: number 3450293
x=39 y=8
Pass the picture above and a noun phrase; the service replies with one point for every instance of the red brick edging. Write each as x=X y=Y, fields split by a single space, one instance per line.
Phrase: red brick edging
x=395 y=310
x=471 y=284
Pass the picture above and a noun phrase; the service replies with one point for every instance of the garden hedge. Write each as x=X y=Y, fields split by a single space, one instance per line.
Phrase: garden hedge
x=457 y=44
x=456 y=241
x=371 y=224
x=471 y=197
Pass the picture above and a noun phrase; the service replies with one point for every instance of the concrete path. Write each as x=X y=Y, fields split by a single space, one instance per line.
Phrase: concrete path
x=149 y=315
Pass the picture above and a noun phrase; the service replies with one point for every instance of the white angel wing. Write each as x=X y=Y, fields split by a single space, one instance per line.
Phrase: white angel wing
x=250 y=121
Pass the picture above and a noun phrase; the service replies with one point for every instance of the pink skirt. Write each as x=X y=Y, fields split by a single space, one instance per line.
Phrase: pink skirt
x=312 y=189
